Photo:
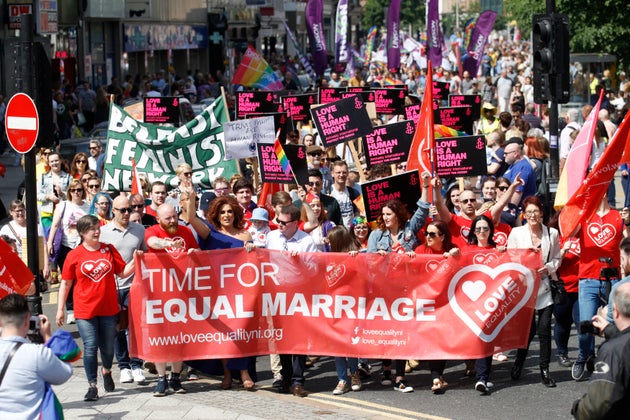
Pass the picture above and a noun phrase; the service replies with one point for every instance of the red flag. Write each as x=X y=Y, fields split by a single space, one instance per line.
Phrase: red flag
x=586 y=199
x=264 y=198
x=15 y=276
x=136 y=185
x=423 y=144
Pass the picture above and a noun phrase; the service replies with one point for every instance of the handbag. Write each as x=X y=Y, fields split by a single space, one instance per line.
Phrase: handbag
x=56 y=244
x=558 y=292
x=81 y=119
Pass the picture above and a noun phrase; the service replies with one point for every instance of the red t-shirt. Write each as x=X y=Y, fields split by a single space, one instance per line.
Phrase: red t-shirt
x=600 y=237
x=424 y=249
x=182 y=233
x=94 y=283
x=501 y=233
x=460 y=228
x=149 y=210
x=570 y=266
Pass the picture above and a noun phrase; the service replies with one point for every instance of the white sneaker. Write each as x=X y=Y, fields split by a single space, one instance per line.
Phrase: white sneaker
x=138 y=376
x=125 y=376
x=70 y=318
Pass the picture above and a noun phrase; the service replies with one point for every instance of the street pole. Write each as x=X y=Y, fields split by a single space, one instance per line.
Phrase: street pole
x=554 y=154
x=30 y=184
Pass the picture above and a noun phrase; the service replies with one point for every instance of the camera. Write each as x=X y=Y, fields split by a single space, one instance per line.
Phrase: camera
x=33 y=325
x=608 y=273
x=587 y=327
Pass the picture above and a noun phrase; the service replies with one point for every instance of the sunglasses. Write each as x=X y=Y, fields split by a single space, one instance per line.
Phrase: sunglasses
x=402 y=166
x=74 y=190
x=45 y=153
x=467 y=200
x=314 y=184
x=124 y=210
x=285 y=223
x=81 y=161
x=94 y=147
x=94 y=186
x=482 y=229
x=502 y=188
x=187 y=173
x=432 y=234
x=137 y=206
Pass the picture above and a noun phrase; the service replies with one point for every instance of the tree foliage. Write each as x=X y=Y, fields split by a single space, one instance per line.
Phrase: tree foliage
x=596 y=26
x=411 y=13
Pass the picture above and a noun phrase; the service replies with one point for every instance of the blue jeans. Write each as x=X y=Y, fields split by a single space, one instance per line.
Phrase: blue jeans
x=97 y=333
x=592 y=293
x=483 y=367
x=120 y=341
x=565 y=315
x=342 y=364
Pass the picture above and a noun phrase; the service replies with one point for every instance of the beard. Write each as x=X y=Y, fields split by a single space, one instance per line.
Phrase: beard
x=169 y=227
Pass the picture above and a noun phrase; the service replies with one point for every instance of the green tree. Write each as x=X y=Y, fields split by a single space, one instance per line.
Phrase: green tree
x=411 y=13
x=595 y=26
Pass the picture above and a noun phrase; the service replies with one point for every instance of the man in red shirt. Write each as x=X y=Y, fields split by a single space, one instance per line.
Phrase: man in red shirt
x=459 y=224
x=171 y=237
x=158 y=197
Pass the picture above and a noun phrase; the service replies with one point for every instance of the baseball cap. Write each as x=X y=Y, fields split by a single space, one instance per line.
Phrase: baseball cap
x=204 y=201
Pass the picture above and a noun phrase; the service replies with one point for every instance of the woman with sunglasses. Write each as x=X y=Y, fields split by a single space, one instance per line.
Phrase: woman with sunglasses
x=439 y=242
x=101 y=207
x=510 y=214
x=397 y=232
x=65 y=218
x=480 y=236
x=79 y=165
x=545 y=240
x=184 y=175
x=51 y=189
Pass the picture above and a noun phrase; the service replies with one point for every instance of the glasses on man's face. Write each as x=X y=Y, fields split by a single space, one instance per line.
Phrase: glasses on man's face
x=502 y=188
x=481 y=229
x=284 y=222
x=124 y=210
x=19 y=211
x=137 y=206
x=432 y=234
x=467 y=200
x=93 y=147
x=314 y=183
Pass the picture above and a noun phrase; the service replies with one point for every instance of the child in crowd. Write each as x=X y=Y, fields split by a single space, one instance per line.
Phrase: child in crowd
x=260 y=226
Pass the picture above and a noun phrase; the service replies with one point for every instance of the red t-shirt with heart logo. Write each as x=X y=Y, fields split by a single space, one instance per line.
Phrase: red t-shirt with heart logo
x=94 y=283
x=600 y=237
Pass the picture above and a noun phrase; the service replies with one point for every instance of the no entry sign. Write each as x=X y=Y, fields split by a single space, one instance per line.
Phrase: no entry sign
x=22 y=123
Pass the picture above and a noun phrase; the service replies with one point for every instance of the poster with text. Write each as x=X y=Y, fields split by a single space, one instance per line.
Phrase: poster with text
x=404 y=187
x=161 y=110
x=342 y=120
x=390 y=100
x=460 y=156
x=298 y=107
x=271 y=170
x=280 y=122
x=441 y=90
x=459 y=118
x=255 y=103
x=328 y=95
x=473 y=101
x=366 y=95
x=241 y=136
x=389 y=143
x=296 y=153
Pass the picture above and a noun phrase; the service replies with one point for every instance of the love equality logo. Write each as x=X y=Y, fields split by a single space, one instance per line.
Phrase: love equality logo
x=486 y=298
x=96 y=270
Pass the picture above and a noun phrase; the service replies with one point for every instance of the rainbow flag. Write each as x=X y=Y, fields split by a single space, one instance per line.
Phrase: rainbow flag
x=282 y=157
x=254 y=72
x=444 y=131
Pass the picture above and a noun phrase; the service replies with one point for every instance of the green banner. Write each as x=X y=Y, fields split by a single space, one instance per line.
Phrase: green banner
x=158 y=150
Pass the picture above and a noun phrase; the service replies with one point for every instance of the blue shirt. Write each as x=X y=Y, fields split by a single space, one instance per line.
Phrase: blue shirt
x=527 y=175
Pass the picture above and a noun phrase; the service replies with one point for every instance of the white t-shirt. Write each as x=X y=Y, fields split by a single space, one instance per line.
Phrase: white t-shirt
x=343 y=198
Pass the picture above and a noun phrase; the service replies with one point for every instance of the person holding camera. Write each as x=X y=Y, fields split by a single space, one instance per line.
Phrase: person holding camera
x=599 y=235
x=25 y=367
x=607 y=395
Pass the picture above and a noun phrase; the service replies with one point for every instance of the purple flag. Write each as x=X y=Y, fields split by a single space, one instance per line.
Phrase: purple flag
x=315 y=28
x=342 y=52
x=434 y=34
x=393 y=35
x=305 y=63
x=474 y=50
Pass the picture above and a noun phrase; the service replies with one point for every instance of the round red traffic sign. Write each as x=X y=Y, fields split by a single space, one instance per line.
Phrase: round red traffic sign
x=21 y=122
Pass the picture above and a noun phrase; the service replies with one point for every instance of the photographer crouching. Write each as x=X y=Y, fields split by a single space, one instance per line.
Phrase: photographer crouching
x=25 y=368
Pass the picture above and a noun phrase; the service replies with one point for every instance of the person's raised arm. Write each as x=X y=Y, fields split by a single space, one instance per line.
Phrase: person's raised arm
x=497 y=208
x=442 y=210
x=202 y=229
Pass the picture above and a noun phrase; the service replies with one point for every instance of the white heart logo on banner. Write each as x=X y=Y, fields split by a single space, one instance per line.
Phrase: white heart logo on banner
x=507 y=286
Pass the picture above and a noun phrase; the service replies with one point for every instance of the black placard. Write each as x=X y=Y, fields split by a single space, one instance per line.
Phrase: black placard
x=298 y=107
x=342 y=120
x=389 y=101
x=161 y=110
x=328 y=95
x=366 y=95
x=460 y=156
x=441 y=90
x=473 y=101
x=254 y=103
x=389 y=143
x=459 y=118
x=405 y=187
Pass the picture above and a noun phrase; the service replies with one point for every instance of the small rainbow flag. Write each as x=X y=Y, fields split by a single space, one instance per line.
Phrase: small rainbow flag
x=282 y=157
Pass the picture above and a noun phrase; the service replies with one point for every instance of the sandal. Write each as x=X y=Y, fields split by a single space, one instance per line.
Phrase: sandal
x=249 y=385
x=499 y=357
x=439 y=385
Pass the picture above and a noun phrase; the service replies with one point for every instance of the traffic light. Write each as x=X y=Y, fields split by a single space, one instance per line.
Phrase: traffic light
x=550 y=44
x=543 y=57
